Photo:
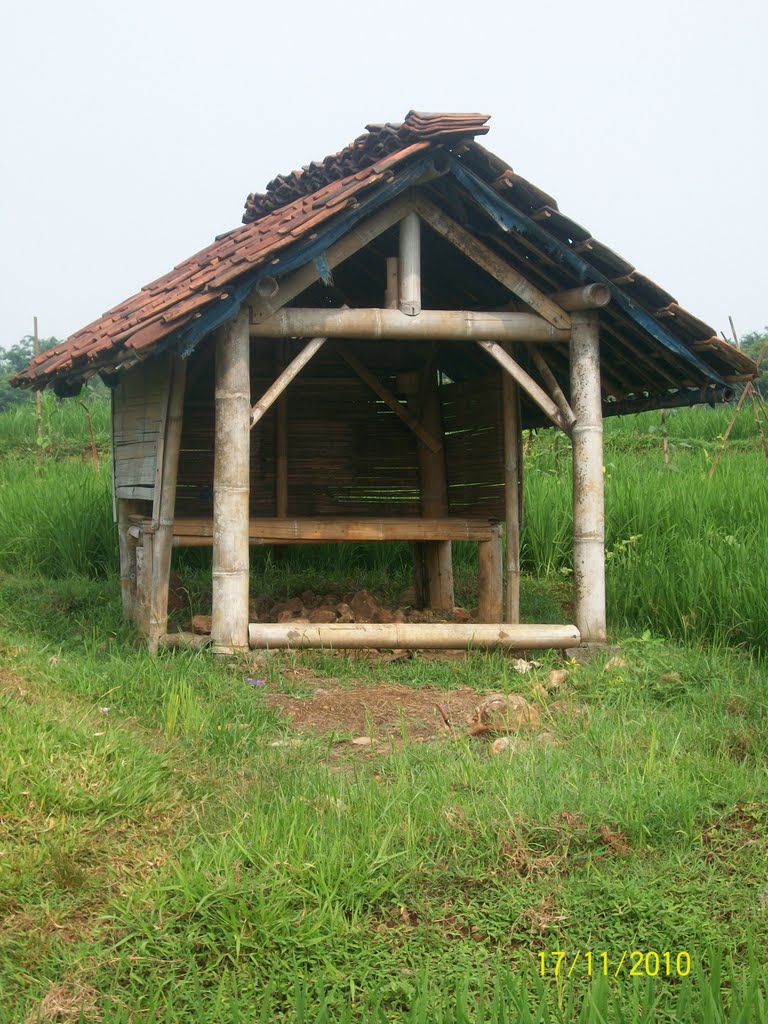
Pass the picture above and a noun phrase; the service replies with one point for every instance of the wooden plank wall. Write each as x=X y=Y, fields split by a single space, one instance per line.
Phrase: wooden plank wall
x=139 y=407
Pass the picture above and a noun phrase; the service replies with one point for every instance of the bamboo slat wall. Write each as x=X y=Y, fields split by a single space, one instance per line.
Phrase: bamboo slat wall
x=472 y=419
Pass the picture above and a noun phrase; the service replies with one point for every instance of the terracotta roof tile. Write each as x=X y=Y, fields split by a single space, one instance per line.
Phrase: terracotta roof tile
x=296 y=205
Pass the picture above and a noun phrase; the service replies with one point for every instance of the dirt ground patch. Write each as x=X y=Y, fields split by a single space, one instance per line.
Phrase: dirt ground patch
x=383 y=710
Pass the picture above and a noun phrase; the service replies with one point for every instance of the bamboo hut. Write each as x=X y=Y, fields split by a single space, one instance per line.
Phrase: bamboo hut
x=357 y=361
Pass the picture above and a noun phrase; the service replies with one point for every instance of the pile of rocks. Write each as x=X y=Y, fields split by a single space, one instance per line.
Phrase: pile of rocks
x=361 y=606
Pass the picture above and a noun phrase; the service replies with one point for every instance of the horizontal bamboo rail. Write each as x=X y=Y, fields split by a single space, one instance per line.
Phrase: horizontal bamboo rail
x=392 y=325
x=411 y=636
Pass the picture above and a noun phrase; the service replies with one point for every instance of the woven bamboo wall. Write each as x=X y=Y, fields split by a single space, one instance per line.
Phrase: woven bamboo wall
x=348 y=454
x=474 y=444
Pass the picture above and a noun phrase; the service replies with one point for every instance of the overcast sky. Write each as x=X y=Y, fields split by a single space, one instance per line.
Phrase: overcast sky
x=132 y=133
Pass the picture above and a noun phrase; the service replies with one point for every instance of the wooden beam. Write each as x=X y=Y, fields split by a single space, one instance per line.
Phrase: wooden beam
x=313 y=531
x=292 y=370
x=389 y=398
x=493 y=264
x=554 y=388
x=392 y=325
x=231 y=487
x=526 y=382
x=293 y=284
x=407 y=636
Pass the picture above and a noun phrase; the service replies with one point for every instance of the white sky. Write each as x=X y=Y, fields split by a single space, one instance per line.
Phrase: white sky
x=133 y=132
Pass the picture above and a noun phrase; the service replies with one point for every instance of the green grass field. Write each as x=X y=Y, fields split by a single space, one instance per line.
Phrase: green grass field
x=162 y=859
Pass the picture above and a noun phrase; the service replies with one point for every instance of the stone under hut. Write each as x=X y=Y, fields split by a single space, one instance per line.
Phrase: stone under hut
x=357 y=361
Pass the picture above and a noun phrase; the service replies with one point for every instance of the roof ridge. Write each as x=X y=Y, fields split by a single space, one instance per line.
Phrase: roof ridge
x=378 y=141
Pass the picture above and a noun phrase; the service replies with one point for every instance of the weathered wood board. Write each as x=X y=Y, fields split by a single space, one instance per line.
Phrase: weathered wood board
x=139 y=409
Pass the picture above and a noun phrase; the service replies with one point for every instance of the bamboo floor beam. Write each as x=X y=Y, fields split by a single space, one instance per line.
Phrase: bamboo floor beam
x=199 y=531
x=412 y=636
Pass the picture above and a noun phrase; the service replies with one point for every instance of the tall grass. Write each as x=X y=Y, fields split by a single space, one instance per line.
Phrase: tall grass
x=58 y=525
x=65 y=427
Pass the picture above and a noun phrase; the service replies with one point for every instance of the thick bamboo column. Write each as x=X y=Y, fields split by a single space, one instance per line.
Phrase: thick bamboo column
x=163 y=541
x=490 y=591
x=588 y=501
x=512 y=494
x=231 y=487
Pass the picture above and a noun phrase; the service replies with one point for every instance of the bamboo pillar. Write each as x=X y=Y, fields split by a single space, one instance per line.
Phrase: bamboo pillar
x=588 y=500
x=163 y=539
x=231 y=487
x=512 y=494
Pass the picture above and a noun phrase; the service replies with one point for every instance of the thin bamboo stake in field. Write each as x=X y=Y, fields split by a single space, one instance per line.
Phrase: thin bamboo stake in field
x=38 y=399
x=755 y=399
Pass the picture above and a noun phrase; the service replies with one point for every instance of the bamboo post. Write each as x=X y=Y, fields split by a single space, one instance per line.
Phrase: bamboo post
x=512 y=494
x=231 y=487
x=588 y=499
x=409 y=273
x=39 y=409
x=490 y=591
x=163 y=542
x=664 y=437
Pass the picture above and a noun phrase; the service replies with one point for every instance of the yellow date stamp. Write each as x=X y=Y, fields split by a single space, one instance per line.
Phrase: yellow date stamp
x=635 y=963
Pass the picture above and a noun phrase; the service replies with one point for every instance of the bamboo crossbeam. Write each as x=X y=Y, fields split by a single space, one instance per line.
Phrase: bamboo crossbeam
x=493 y=264
x=313 y=531
x=292 y=370
x=554 y=388
x=526 y=382
x=590 y=296
x=392 y=325
x=411 y=636
x=389 y=398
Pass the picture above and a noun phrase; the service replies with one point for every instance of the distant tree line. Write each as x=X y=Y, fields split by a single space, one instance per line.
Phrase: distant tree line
x=16 y=358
